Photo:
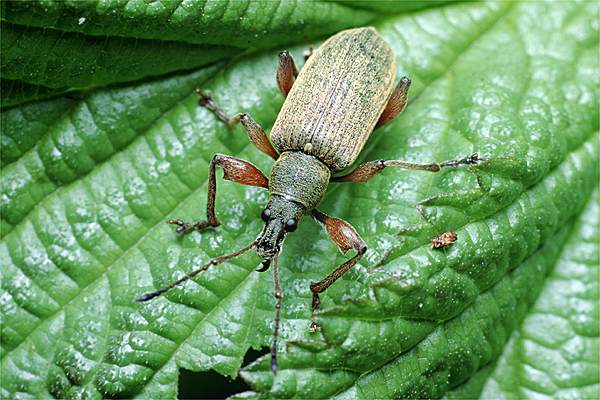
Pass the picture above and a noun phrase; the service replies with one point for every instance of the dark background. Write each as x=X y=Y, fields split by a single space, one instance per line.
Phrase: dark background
x=211 y=384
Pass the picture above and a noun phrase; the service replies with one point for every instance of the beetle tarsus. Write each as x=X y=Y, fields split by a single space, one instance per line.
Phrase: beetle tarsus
x=207 y=101
x=472 y=159
x=185 y=227
x=205 y=96
x=274 y=362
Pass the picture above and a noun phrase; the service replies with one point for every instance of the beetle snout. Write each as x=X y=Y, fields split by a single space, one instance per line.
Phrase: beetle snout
x=266 y=250
x=268 y=245
x=269 y=241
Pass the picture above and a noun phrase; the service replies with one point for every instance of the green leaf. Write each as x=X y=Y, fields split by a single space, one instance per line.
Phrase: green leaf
x=242 y=24
x=76 y=45
x=18 y=92
x=554 y=351
x=88 y=181
x=98 y=61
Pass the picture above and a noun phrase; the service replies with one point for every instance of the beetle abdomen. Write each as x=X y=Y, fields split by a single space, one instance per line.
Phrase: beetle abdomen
x=337 y=98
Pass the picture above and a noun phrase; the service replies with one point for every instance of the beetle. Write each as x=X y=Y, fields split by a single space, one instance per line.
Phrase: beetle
x=344 y=91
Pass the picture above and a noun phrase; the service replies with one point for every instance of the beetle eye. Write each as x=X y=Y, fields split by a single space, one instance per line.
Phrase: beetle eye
x=266 y=214
x=291 y=225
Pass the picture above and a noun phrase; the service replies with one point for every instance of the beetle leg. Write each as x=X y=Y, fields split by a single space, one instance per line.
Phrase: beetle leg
x=365 y=171
x=236 y=170
x=256 y=134
x=286 y=72
x=396 y=102
x=346 y=238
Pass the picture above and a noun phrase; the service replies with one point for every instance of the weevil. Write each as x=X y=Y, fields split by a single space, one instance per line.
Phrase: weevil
x=345 y=90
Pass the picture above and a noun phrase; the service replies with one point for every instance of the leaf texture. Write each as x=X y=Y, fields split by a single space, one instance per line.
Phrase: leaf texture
x=555 y=351
x=89 y=179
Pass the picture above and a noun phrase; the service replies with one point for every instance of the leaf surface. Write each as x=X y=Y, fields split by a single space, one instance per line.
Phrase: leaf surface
x=555 y=351
x=88 y=181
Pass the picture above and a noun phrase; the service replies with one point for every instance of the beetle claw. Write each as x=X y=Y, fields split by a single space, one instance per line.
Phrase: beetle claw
x=265 y=265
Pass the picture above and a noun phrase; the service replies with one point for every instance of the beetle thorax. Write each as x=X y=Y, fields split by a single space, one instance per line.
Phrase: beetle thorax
x=299 y=177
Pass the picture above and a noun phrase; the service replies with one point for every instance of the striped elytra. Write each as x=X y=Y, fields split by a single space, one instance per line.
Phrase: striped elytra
x=337 y=98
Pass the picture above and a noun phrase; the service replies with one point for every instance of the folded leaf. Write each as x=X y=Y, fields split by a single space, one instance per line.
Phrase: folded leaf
x=59 y=60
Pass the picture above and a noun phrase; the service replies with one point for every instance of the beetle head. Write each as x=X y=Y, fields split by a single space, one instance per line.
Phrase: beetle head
x=281 y=216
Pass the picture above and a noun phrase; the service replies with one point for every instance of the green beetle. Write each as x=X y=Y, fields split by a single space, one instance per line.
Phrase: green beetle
x=344 y=91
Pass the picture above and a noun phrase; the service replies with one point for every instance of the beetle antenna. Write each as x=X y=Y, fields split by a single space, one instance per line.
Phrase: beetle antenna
x=278 y=298
x=214 y=261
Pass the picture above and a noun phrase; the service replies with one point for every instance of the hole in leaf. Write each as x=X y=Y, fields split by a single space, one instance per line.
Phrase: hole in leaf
x=211 y=384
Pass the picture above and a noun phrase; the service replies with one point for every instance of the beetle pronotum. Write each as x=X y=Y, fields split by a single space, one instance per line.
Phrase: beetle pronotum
x=344 y=91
